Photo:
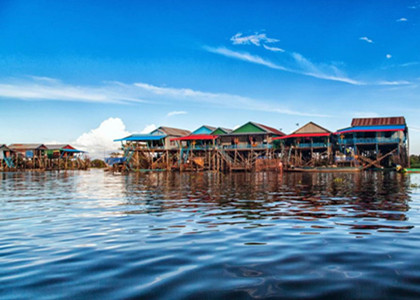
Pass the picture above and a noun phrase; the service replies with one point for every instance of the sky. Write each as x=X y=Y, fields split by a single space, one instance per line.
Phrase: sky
x=88 y=72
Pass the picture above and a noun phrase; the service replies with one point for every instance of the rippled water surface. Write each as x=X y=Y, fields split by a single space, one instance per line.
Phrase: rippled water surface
x=209 y=236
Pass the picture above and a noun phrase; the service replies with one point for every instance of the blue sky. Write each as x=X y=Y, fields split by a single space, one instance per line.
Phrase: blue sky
x=68 y=66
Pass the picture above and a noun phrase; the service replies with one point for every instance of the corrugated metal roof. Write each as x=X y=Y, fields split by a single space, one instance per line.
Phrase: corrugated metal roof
x=226 y=130
x=378 y=121
x=27 y=146
x=59 y=146
x=372 y=128
x=204 y=129
x=311 y=127
x=269 y=129
x=173 y=131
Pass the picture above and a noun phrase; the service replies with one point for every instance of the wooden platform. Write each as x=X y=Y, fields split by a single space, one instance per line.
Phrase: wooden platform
x=324 y=170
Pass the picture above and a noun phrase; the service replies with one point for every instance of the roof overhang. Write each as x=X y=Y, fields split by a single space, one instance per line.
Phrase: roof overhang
x=142 y=138
x=382 y=128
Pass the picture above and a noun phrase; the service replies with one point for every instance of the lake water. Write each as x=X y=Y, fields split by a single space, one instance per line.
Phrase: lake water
x=209 y=236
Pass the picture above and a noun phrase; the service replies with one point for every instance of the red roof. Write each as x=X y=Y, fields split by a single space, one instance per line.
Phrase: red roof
x=298 y=135
x=378 y=121
x=196 y=137
x=273 y=130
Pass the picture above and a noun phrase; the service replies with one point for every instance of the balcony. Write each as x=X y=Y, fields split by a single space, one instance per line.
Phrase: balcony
x=313 y=145
x=247 y=146
x=369 y=141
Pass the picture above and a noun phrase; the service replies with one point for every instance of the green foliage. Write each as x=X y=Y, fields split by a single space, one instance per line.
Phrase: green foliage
x=415 y=161
x=97 y=163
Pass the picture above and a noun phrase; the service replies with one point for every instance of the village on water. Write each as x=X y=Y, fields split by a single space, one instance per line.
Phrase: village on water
x=368 y=143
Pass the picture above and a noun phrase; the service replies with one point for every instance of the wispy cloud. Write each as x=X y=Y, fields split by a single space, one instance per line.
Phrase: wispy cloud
x=409 y=64
x=44 y=88
x=304 y=66
x=176 y=112
x=396 y=82
x=255 y=39
x=366 y=39
x=402 y=20
x=245 y=57
x=388 y=56
x=132 y=93
x=274 y=49
x=220 y=99
x=327 y=72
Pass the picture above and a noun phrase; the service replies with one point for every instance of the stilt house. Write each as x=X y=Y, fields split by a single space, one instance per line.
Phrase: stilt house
x=29 y=151
x=309 y=145
x=379 y=142
x=159 y=138
x=200 y=139
x=251 y=135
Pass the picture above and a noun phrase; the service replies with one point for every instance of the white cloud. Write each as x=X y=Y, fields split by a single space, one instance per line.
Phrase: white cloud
x=254 y=39
x=364 y=38
x=388 y=56
x=219 y=99
x=43 y=78
x=402 y=20
x=245 y=57
x=305 y=66
x=323 y=71
x=397 y=82
x=148 y=128
x=176 y=112
x=44 y=88
x=99 y=142
x=274 y=49
x=122 y=93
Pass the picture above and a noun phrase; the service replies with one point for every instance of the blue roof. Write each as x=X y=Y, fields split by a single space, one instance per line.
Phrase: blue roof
x=72 y=150
x=142 y=137
x=373 y=128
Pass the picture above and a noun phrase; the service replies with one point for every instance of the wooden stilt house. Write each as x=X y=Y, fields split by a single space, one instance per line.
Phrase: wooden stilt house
x=249 y=147
x=153 y=150
x=310 y=145
x=375 y=142
x=29 y=156
x=194 y=148
x=200 y=139
x=251 y=135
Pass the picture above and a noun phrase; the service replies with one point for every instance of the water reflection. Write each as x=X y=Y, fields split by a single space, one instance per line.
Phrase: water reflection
x=209 y=235
x=359 y=201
